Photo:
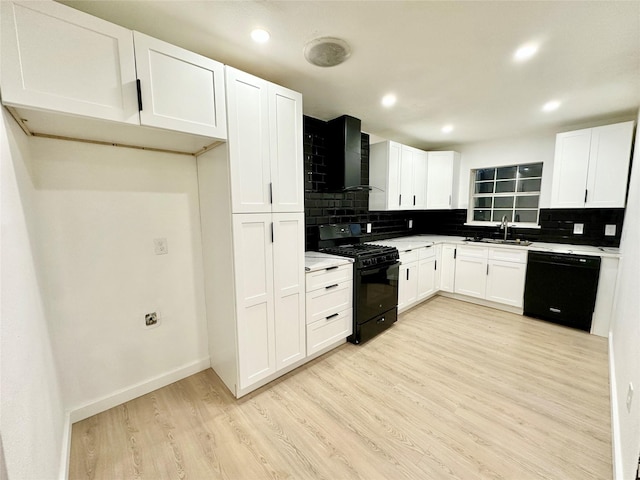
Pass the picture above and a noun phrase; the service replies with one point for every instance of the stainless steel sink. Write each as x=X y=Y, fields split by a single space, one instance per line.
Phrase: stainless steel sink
x=520 y=243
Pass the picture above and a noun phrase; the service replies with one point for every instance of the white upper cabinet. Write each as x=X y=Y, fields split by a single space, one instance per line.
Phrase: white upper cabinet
x=442 y=179
x=384 y=176
x=60 y=59
x=180 y=90
x=287 y=167
x=56 y=59
x=591 y=167
x=265 y=145
x=405 y=178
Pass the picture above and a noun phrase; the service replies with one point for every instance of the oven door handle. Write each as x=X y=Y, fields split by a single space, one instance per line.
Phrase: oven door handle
x=377 y=269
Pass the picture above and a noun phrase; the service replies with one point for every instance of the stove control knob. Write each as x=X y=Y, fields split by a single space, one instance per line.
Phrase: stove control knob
x=366 y=262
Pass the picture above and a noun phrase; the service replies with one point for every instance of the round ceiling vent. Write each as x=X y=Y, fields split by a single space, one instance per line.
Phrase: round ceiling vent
x=327 y=51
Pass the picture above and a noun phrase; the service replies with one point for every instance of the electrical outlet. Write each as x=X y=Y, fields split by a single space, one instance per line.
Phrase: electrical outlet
x=368 y=228
x=629 y=397
x=610 y=230
x=578 y=228
x=160 y=246
x=410 y=223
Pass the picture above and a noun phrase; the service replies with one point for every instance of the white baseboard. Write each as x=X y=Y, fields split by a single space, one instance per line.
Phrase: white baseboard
x=615 y=420
x=135 y=391
x=66 y=448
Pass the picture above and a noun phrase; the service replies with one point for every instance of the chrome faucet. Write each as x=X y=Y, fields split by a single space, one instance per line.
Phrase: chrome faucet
x=504 y=224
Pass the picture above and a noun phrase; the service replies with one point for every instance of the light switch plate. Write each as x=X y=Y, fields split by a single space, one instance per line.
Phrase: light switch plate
x=578 y=228
x=410 y=223
x=609 y=230
x=368 y=228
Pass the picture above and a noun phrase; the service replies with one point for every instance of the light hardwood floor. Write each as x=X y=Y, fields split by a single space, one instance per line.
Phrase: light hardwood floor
x=452 y=391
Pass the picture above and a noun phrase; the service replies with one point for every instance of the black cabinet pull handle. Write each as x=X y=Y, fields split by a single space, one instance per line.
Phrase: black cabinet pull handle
x=455 y=251
x=331 y=268
x=270 y=192
x=271 y=232
x=586 y=193
x=435 y=265
x=332 y=316
x=414 y=200
x=407 y=274
x=331 y=286
x=139 y=88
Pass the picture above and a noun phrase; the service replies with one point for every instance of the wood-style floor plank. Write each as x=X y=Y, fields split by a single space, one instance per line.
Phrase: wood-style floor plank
x=452 y=391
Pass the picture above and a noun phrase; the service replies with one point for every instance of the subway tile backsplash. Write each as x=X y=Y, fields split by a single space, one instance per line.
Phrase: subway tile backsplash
x=323 y=206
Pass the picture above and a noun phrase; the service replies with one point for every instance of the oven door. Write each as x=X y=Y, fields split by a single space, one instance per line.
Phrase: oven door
x=376 y=291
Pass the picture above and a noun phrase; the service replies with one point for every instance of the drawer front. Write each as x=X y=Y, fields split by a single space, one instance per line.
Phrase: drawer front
x=329 y=300
x=409 y=256
x=427 y=252
x=473 y=252
x=508 y=255
x=329 y=276
x=327 y=331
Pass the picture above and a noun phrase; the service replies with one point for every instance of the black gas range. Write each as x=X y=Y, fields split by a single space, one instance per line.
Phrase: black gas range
x=375 y=278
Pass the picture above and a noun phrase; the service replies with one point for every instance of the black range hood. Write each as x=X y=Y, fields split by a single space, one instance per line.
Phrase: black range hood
x=345 y=155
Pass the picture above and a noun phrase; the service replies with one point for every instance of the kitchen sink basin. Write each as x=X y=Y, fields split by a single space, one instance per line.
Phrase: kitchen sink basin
x=520 y=243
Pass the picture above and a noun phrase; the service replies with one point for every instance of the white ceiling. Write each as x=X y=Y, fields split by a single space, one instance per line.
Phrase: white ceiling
x=447 y=61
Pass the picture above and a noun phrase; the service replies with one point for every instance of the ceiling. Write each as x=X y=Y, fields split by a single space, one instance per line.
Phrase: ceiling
x=448 y=62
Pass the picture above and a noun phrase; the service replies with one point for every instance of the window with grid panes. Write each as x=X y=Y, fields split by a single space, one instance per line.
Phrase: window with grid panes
x=512 y=190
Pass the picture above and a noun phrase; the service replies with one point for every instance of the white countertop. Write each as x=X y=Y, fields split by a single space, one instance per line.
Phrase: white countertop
x=418 y=241
x=319 y=261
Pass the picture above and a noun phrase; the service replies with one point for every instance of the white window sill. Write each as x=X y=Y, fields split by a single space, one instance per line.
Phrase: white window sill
x=497 y=224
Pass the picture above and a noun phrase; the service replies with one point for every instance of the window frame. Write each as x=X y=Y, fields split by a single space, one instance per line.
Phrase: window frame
x=493 y=195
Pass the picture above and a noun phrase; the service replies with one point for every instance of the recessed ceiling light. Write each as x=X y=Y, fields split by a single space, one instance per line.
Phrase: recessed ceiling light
x=260 y=36
x=525 y=52
x=550 y=106
x=389 y=100
x=447 y=129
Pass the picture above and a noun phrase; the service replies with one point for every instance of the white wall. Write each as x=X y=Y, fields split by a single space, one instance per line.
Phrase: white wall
x=625 y=336
x=100 y=208
x=32 y=417
x=526 y=149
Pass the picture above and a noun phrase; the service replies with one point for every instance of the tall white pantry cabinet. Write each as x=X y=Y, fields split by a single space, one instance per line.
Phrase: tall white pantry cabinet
x=252 y=209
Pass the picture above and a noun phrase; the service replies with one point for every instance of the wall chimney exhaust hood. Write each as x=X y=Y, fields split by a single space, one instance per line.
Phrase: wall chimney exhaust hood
x=345 y=155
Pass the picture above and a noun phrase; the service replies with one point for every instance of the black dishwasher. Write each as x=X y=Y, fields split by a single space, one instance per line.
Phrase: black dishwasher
x=561 y=288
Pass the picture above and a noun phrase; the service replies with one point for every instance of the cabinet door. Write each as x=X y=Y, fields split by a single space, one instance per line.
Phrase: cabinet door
x=393 y=185
x=420 y=179
x=180 y=90
x=609 y=158
x=60 y=59
x=505 y=282
x=448 y=268
x=248 y=120
x=285 y=112
x=407 y=196
x=471 y=276
x=570 y=167
x=407 y=285
x=289 y=287
x=426 y=277
x=253 y=258
x=440 y=166
x=438 y=267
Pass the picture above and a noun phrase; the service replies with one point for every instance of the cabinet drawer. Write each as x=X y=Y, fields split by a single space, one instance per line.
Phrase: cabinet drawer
x=427 y=252
x=324 y=332
x=472 y=252
x=329 y=276
x=329 y=300
x=409 y=256
x=508 y=255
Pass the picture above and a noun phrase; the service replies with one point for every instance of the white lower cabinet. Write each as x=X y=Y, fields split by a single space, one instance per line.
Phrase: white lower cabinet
x=329 y=306
x=505 y=276
x=447 y=268
x=471 y=271
x=494 y=274
x=407 y=285
x=270 y=293
x=427 y=265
